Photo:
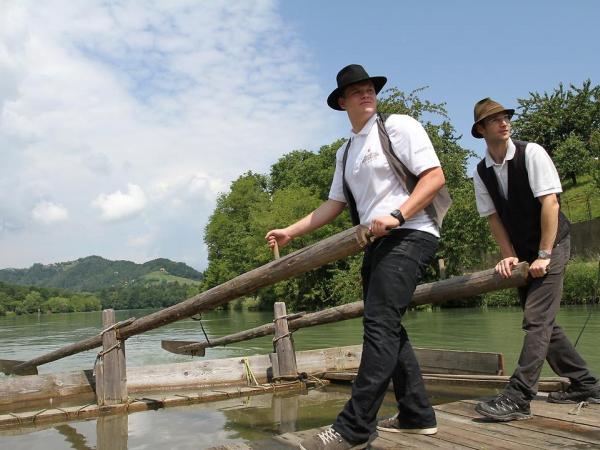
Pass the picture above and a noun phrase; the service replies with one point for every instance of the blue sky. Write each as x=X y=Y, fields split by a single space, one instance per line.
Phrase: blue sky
x=122 y=121
x=463 y=50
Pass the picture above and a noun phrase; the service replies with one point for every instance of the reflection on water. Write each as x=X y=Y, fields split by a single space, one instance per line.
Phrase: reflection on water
x=252 y=419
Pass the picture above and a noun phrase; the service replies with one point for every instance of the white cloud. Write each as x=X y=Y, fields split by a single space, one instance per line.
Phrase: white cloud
x=49 y=213
x=119 y=206
x=182 y=97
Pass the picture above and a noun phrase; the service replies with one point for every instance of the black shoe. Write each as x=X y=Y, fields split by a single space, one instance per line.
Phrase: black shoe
x=504 y=408
x=575 y=395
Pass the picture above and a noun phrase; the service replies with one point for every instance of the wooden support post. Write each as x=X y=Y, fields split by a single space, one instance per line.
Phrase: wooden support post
x=442 y=266
x=284 y=345
x=111 y=378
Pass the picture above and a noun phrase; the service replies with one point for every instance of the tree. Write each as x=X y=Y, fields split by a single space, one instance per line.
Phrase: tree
x=550 y=118
x=572 y=158
x=227 y=234
x=57 y=305
x=33 y=302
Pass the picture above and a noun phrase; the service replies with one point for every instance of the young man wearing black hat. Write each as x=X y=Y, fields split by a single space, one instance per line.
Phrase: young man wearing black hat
x=517 y=188
x=406 y=241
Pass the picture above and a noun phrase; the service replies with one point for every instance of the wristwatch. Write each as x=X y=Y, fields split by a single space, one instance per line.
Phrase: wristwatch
x=397 y=214
x=544 y=254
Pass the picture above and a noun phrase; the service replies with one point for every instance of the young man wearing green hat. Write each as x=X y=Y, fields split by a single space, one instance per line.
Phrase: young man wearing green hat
x=406 y=233
x=517 y=189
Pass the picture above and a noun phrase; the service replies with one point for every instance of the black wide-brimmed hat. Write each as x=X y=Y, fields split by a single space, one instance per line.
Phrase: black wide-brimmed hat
x=485 y=108
x=351 y=74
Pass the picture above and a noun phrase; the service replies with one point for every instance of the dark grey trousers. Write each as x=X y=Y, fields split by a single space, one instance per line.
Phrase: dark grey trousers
x=544 y=339
x=392 y=267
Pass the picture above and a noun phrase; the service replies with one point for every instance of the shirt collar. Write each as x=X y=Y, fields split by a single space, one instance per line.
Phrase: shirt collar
x=510 y=154
x=365 y=130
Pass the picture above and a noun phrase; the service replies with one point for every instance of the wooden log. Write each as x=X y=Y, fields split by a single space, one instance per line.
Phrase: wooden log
x=111 y=377
x=284 y=346
x=436 y=292
x=336 y=247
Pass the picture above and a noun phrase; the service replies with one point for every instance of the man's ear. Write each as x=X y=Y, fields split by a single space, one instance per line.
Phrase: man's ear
x=480 y=128
x=342 y=102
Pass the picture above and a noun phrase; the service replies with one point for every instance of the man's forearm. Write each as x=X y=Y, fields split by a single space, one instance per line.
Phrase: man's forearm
x=324 y=214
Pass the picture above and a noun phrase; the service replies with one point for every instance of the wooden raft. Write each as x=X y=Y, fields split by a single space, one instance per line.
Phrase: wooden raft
x=460 y=427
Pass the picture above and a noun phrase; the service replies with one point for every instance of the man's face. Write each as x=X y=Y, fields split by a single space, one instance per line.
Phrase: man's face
x=496 y=127
x=359 y=98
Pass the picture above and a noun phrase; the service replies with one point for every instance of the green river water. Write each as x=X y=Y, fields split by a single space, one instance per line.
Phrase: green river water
x=252 y=420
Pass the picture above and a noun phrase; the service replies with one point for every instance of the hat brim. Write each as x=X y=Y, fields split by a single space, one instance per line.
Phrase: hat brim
x=491 y=112
x=332 y=100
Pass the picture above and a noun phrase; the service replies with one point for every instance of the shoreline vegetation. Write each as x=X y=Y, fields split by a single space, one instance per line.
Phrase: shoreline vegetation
x=580 y=288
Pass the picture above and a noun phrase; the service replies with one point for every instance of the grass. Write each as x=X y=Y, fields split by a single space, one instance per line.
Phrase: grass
x=582 y=201
x=158 y=276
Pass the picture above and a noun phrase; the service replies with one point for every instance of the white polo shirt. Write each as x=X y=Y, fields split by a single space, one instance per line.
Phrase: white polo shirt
x=375 y=187
x=542 y=174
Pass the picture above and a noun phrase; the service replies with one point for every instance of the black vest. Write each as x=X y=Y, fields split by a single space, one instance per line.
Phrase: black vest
x=521 y=212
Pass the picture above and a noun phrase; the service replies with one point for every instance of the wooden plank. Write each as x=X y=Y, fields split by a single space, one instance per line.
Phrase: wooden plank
x=500 y=436
x=549 y=428
x=589 y=415
x=455 y=361
x=284 y=347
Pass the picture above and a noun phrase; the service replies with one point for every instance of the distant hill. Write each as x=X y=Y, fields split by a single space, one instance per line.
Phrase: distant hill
x=94 y=273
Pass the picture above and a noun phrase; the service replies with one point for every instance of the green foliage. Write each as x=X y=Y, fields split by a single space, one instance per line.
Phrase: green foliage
x=581 y=283
x=582 y=202
x=93 y=273
x=465 y=236
x=301 y=168
x=594 y=144
x=596 y=175
x=160 y=276
x=549 y=119
x=229 y=233
x=148 y=295
x=33 y=299
x=572 y=158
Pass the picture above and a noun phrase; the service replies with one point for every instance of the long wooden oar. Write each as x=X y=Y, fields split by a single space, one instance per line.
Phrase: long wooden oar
x=436 y=292
x=335 y=247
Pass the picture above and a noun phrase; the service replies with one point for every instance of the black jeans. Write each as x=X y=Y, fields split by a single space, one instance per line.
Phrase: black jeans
x=392 y=266
x=544 y=339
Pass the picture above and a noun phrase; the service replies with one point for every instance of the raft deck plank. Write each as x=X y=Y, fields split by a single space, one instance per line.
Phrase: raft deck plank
x=554 y=426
